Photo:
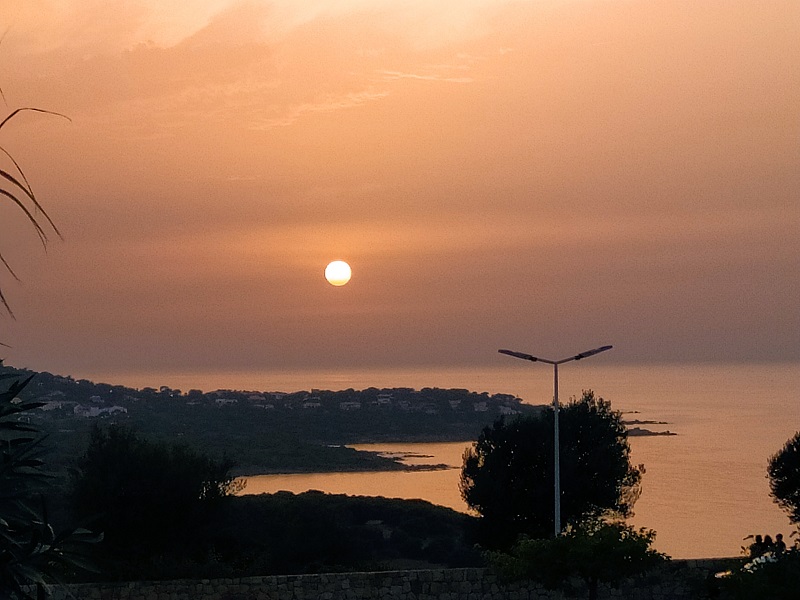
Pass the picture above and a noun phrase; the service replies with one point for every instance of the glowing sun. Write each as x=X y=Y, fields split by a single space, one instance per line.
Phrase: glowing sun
x=338 y=272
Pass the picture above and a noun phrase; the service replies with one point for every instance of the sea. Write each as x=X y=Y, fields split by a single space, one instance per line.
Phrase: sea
x=705 y=489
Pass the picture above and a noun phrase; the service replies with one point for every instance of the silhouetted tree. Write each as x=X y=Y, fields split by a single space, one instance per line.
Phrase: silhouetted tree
x=594 y=551
x=784 y=478
x=147 y=497
x=507 y=476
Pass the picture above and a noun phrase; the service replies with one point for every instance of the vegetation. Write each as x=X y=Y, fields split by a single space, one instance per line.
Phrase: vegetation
x=784 y=478
x=284 y=533
x=147 y=496
x=775 y=576
x=507 y=476
x=593 y=551
x=168 y=512
x=31 y=552
x=15 y=188
x=316 y=532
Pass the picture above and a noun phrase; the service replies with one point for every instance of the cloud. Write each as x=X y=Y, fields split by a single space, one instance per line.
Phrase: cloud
x=327 y=105
x=395 y=75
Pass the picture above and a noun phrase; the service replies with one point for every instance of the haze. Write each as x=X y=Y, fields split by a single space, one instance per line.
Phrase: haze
x=547 y=176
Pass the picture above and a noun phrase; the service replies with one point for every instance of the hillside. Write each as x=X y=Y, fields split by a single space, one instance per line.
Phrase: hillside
x=265 y=431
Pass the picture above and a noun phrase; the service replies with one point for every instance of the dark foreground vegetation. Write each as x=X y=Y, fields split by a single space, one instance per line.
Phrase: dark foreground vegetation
x=167 y=511
x=284 y=533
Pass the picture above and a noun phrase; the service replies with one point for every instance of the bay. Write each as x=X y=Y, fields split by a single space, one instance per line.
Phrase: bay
x=703 y=491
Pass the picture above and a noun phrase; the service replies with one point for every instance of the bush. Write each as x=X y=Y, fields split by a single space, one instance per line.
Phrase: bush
x=594 y=551
x=777 y=579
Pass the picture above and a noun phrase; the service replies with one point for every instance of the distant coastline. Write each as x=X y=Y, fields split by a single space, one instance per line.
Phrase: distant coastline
x=275 y=432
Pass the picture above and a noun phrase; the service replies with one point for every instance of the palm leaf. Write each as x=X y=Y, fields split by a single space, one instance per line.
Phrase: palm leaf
x=15 y=187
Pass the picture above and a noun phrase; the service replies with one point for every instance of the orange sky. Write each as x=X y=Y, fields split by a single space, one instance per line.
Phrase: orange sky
x=542 y=175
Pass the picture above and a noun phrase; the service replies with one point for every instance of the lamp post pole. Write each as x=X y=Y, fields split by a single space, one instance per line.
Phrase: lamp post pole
x=556 y=445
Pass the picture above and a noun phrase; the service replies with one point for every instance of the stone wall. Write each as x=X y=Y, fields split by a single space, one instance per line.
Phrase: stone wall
x=678 y=580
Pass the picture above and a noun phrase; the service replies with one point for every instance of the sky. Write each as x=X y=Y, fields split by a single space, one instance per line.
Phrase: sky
x=542 y=175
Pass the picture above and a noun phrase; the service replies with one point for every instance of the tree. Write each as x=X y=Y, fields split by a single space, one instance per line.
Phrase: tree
x=594 y=550
x=31 y=552
x=148 y=497
x=507 y=476
x=784 y=478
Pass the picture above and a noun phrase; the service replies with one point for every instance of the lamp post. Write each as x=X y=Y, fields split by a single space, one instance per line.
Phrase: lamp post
x=557 y=465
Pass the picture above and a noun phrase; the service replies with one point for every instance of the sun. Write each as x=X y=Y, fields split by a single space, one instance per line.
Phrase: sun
x=338 y=273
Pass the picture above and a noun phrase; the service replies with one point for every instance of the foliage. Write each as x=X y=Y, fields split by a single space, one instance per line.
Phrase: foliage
x=15 y=188
x=31 y=552
x=317 y=532
x=784 y=478
x=594 y=551
x=507 y=476
x=147 y=497
x=777 y=578
x=312 y=532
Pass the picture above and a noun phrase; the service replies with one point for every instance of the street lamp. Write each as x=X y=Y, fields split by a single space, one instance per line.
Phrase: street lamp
x=557 y=466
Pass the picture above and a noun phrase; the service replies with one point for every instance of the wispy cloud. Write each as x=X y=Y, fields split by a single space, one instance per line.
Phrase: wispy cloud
x=395 y=75
x=327 y=105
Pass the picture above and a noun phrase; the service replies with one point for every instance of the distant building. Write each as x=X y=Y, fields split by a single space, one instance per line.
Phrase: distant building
x=80 y=410
x=350 y=405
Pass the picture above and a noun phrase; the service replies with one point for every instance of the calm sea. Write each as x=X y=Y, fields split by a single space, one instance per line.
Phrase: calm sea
x=704 y=490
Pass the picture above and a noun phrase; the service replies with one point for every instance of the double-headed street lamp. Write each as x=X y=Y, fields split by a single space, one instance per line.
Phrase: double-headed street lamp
x=557 y=465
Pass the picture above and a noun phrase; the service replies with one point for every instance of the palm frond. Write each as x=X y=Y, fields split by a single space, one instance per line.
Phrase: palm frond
x=15 y=187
